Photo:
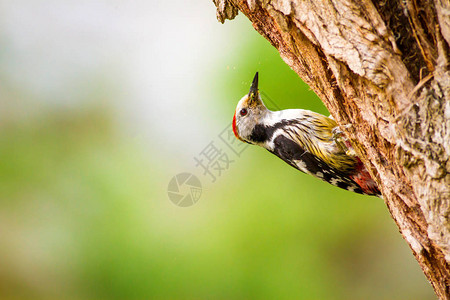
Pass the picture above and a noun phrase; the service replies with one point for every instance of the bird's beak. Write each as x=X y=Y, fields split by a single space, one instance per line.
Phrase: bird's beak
x=253 y=93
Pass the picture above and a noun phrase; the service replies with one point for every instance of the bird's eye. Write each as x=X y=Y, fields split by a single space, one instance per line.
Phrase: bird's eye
x=243 y=112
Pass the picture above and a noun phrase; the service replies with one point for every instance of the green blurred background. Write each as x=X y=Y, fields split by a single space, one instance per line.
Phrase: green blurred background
x=101 y=104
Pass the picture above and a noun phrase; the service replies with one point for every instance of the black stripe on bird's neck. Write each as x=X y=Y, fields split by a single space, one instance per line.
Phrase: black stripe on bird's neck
x=262 y=133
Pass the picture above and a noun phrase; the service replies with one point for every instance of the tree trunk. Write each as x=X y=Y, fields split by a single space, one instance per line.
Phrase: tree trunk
x=383 y=68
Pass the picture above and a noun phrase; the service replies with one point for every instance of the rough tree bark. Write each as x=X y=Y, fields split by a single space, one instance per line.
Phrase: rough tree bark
x=383 y=67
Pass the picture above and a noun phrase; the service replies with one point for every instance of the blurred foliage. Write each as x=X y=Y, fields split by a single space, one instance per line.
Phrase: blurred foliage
x=85 y=214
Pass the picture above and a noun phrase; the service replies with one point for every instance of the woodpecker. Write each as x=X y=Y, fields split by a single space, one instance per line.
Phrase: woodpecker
x=308 y=141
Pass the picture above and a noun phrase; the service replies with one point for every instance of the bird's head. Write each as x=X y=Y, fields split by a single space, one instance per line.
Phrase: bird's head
x=250 y=112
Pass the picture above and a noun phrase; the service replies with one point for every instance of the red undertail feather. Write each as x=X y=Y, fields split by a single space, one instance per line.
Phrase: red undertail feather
x=364 y=180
